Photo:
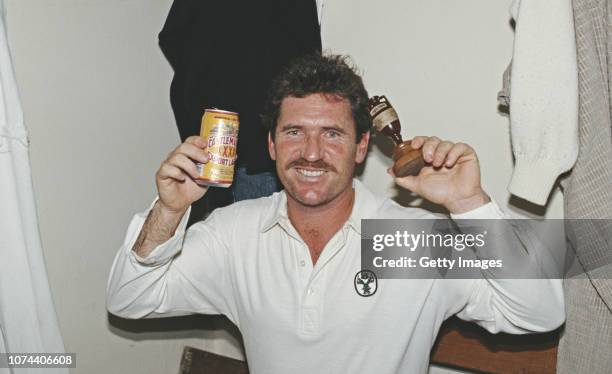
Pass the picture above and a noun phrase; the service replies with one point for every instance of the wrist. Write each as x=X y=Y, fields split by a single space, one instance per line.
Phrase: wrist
x=160 y=225
x=167 y=213
x=469 y=203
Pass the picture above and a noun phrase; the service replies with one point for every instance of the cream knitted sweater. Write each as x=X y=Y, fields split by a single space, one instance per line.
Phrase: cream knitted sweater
x=544 y=96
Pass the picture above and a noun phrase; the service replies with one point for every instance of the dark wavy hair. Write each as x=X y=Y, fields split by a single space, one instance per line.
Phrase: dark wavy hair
x=319 y=74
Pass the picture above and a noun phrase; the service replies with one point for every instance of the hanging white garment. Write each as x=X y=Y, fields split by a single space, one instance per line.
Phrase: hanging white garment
x=543 y=96
x=27 y=315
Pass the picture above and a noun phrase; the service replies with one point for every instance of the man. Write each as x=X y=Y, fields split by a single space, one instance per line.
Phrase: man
x=282 y=267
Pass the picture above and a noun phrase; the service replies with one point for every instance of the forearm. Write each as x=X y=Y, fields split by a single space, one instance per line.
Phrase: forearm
x=516 y=306
x=136 y=285
x=525 y=293
x=171 y=279
x=159 y=226
x=135 y=290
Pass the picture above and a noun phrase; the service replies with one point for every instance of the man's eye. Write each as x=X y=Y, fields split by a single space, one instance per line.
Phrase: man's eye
x=291 y=132
x=333 y=134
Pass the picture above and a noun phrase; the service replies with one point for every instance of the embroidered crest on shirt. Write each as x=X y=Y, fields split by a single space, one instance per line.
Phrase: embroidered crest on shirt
x=366 y=283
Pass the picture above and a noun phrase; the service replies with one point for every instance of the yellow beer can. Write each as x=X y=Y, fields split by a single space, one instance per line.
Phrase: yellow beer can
x=220 y=130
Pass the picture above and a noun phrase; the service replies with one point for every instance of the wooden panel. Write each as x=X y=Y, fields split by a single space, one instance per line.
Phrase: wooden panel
x=196 y=361
x=464 y=345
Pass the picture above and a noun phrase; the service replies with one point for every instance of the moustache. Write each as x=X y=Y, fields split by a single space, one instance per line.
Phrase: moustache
x=319 y=164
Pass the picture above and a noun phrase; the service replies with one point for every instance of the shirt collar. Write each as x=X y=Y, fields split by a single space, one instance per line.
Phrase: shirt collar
x=366 y=203
x=276 y=212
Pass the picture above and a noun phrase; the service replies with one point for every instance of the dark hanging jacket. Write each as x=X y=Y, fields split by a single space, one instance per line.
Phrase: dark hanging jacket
x=225 y=54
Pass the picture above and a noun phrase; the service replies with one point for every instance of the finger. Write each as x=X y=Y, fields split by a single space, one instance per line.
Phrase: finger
x=417 y=141
x=184 y=163
x=441 y=152
x=390 y=172
x=429 y=147
x=196 y=140
x=410 y=183
x=458 y=150
x=168 y=171
x=193 y=152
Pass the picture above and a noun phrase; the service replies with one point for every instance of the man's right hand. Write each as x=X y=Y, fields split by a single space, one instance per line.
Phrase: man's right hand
x=176 y=190
x=175 y=177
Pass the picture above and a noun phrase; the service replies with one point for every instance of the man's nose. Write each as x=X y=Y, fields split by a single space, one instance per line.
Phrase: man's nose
x=312 y=149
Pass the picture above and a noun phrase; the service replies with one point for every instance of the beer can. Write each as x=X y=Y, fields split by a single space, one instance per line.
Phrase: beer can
x=220 y=130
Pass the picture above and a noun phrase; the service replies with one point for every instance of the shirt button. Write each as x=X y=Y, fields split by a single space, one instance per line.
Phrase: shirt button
x=310 y=291
x=302 y=263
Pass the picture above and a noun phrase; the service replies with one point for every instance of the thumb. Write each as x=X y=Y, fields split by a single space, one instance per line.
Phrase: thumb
x=410 y=183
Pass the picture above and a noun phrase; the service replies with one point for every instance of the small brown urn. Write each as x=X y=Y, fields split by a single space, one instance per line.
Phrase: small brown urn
x=406 y=160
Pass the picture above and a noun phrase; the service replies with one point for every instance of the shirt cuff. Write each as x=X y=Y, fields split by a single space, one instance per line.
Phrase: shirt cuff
x=489 y=210
x=163 y=252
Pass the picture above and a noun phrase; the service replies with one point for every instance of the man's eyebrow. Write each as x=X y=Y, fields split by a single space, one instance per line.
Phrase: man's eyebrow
x=335 y=128
x=290 y=126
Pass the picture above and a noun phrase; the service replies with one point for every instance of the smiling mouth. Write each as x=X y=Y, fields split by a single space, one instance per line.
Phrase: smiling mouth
x=310 y=173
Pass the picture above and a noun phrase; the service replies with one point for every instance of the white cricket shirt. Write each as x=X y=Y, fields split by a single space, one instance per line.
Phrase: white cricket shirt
x=248 y=262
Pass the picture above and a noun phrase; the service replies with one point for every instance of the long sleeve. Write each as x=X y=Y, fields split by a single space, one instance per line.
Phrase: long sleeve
x=504 y=304
x=515 y=306
x=186 y=274
x=543 y=96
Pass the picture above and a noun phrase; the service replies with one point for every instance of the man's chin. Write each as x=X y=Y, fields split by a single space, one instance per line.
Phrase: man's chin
x=310 y=199
x=312 y=202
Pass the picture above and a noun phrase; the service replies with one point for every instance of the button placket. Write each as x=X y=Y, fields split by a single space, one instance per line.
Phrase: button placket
x=310 y=321
x=312 y=307
x=314 y=290
x=303 y=258
x=311 y=295
x=303 y=268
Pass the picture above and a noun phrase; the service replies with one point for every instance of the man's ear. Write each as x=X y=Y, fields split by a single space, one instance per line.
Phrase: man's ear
x=271 y=146
x=362 y=148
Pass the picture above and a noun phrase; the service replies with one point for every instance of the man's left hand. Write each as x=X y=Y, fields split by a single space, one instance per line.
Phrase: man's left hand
x=451 y=176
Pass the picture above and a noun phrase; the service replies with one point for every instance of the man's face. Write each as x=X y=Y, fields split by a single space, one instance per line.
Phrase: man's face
x=315 y=149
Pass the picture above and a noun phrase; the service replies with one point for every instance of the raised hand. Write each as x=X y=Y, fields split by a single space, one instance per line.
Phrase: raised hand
x=451 y=176
x=175 y=177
